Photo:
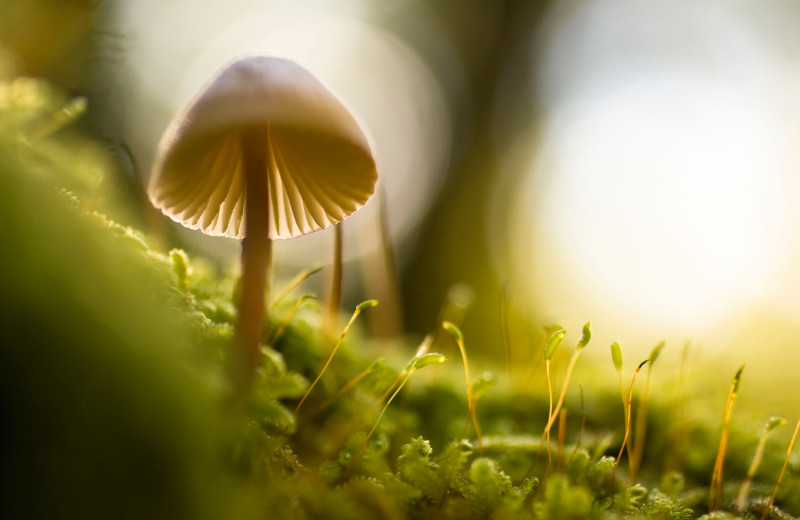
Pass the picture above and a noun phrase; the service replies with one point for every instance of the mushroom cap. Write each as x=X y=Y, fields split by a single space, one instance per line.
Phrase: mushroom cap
x=321 y=167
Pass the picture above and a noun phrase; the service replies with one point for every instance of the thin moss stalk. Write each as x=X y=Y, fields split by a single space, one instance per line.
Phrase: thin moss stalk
x=715 y=490
x=504 y=329
x=585 y=338
x=616 y=358
x=744 y=489
x=583 y=426
x=347 y=387
x=294 y=283
x=421 y=351
x=562 y=432
x=479 y=386
x=288 y=319
x=359 y=308
x=627 y=431
x=674 y=458
x=783 y=471
x=549 y=351
x=455 y=332
x=640 y=432
x=392 y=308
x=415 y=364
x=536 y=360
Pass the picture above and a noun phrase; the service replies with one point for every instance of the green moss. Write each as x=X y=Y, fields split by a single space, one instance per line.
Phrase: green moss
x=114 y=390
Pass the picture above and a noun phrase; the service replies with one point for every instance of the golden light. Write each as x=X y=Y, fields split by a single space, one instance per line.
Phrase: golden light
x=658 y=197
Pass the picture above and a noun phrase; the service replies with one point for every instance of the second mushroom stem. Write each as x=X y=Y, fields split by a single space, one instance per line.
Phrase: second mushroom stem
x=335 y=294
x=256 y=257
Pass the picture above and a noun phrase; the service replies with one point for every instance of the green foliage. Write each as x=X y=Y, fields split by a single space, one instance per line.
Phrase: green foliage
x=415 y=467
x=660 y=505
x=485 y=486
x=180 y=265
x=107 y=411
x=565 y=501
x=115 y=396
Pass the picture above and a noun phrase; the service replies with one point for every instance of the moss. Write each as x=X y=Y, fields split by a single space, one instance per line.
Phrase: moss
x=114 y=392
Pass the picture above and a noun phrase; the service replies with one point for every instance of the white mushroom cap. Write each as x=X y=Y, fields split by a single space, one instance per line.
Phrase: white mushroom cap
x=321 y=167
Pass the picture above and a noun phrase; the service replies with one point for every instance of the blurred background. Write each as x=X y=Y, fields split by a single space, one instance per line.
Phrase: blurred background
x=629 y=162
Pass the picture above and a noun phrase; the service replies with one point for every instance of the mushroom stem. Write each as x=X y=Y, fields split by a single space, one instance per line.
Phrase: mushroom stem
x=335 y=295
x=256 y=256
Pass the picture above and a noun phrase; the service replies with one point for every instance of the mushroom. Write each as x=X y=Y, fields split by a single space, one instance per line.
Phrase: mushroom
x=265 y=151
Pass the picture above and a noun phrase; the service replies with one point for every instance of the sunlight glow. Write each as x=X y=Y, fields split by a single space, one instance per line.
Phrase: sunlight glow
x=660 y=193
x=659 y=187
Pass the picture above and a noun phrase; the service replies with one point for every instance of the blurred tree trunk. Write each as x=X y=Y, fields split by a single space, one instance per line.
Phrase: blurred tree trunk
x=494 y=40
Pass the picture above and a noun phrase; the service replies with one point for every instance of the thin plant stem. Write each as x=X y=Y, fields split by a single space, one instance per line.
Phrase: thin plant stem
x=549 y=414
x=536 y=360
x=392 y=312
x=465 y=425
x=421 y=351
x=415 y=364
x=562 y=432
x=363 y=444
x=583 y=425
x=504 y=329
x=359 y=308
x=674 y=456
x=293 y=284
x=549 y=351
x=386 y=393
x=533 y=366
x=570 y=367
x=627 y=431
x=715 y=491
x=288 y=319
x=744 y=489
x=459 y=339
x=622 y=395
x=640 y=432
x=346 y=388
x=783 y=470
x=616 y=356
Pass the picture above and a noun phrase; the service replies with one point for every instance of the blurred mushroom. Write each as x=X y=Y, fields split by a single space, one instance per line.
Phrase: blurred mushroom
x=264 y=151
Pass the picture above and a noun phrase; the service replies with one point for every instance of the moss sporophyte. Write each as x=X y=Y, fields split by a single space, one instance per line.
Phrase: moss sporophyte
x=549 y=352
x=359 y=308
x=455 y=332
